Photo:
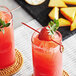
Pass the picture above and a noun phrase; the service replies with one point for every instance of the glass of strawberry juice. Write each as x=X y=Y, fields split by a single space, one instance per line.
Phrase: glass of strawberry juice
x=47 y=58
x=7 y=49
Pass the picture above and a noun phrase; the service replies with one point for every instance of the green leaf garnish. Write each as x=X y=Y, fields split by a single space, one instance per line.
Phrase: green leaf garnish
x=7 y=24
x=53 y=26
x=2 y=25
x=3 y=31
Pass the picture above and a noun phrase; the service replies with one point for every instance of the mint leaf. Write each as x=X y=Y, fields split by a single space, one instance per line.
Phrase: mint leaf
x=53 y=26
x=3 y=31
x=0 y=20
x=2 y=25
x=7 y=24
x=55 y=20
x=52 y=23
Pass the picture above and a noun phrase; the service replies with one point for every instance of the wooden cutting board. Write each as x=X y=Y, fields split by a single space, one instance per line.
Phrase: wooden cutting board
x=40 y=13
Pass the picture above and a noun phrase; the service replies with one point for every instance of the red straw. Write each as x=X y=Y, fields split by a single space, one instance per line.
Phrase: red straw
x=57 y=43
x=30 y=27
x=39 y=32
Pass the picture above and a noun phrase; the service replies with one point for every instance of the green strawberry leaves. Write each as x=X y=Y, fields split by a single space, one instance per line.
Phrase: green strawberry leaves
x=53 y=26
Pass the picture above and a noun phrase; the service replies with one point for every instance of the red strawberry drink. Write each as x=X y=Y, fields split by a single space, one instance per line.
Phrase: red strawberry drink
x=7 y=49
x=47 y=55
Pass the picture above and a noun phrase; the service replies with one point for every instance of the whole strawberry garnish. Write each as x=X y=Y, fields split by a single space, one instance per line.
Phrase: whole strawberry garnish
x=47 y=32
x=43 y=35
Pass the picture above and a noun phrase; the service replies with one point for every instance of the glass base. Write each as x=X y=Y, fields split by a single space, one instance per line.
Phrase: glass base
x=15 y=67
x=63 y=74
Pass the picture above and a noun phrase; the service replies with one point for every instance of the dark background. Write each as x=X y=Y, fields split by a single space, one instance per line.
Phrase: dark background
x=40 y=13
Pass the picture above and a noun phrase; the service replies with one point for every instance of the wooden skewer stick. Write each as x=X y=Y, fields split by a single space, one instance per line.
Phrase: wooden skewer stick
x=15 y=8
x=30 y=27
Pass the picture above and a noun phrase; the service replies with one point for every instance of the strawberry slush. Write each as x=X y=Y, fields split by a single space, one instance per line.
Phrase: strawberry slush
x=7 y=49
x=47 y=58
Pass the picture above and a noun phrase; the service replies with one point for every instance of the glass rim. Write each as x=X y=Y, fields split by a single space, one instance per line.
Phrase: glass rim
x=8 y=10
x=46 y=41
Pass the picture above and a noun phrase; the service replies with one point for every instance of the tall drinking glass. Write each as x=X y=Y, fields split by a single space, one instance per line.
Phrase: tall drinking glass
x=47 y=56
x=7 y=47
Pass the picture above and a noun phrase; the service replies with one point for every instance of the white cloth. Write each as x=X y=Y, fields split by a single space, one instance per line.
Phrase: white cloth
x=23 y=43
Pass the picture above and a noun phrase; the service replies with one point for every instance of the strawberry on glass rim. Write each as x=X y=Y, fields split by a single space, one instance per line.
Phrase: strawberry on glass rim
x=48 y=32
x=44 y=34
